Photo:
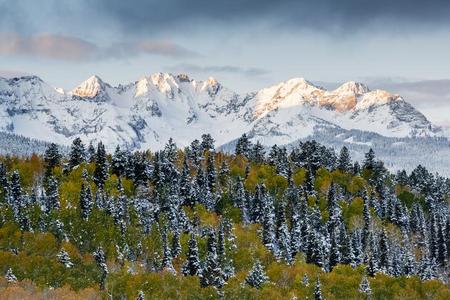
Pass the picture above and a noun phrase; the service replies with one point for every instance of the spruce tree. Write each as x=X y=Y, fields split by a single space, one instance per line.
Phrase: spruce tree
x=192 y=266
x=318 y=290
x=10 y=277
x=52 y=158
x=64 y=258
x=77 y=153
x=101 y=166
x=207 y=142
x=364 y=287
x=257 y=276
x=344 y=161
x=100 y=259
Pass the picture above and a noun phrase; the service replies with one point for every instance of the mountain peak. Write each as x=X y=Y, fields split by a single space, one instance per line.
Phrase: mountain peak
x=90 y=88
x=352 y=87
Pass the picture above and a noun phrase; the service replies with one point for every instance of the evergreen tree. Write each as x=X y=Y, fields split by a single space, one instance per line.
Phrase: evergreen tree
x=318 y=290
x=52 y=158
x=86 y=202
x=77 y=153
x=211 y=171
x=10 y=277
x=52 y=195
x=176 y=245
x=140 y=296
x=100 y=259
x=369 y=161
x=119 y=162
x=192 y=265
x=243 y=146
x=91 y=153
x=64 y=258
x=207 y=142
x=364 y=287
x=305 y=280
x=344 y=161
x=101 y=166
x=257 y=153
x=167 y=253
x=212 y=274
x=257 y=276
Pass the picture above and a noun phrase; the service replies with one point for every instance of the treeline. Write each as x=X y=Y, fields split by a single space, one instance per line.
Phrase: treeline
x=199 y=223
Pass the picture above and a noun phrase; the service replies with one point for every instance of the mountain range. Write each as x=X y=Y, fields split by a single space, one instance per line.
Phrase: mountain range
x=146 y=113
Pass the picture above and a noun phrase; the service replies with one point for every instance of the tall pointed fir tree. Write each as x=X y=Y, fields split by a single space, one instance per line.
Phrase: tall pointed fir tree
x=192 y=265
x=344 y=161
x=318 y=290
x=212 y=274
x=77 y=153
x=100 y=259
x=52 y=195
x=101 y=166
x=257 y=276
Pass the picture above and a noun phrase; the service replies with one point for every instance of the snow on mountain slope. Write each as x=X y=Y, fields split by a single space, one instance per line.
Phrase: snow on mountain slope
x=146 y=113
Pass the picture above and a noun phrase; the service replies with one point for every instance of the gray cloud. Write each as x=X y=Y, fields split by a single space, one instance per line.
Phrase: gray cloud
x=137 y=17
x=74 y=49
x=327 y=15
x=47 y=45
x=219 y=69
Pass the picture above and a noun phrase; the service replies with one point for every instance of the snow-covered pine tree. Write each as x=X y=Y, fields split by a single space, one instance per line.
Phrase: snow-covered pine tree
x=140 y=296
x=52 y=158
x=192 y=265
x=207 y=142
x=344 y=162
x=257 y=276
x=318 y=290
x=364 y=287
x=167 y=253
x=64 y=258
x=101 y=166
x=119 y=162
x=77 y=153
x=100 y=259
x=10 y=277
x=86 y=202
x=52 y=195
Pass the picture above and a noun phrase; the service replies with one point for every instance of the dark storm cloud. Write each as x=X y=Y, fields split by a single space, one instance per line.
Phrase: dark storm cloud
x=219 y=69
x=326 y=15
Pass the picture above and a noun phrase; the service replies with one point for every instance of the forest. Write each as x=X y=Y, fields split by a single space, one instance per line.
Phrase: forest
x=196 y=223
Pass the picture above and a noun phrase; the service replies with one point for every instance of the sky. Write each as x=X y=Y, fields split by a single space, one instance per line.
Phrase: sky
x=245 y=44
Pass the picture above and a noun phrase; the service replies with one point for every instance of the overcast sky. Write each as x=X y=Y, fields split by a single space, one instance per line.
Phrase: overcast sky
x=245 y=44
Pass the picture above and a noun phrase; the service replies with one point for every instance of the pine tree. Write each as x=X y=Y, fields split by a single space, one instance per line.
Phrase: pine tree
x=257 y=153
x=10 y=277
x=86 y=202
x=207 y=142
x=305 y=280
x=77 y=153
x=192 y=265
x=243 y=146
x=91 y=153
x=369 y=161
x=364 y=287
x=344 y=162
x=140 y=296
x=211 y=171
x=318 y=290
x=176 y=245
x=100 y=259
x=52 y=195
x=257 y=276
x=212 y=274
x=167 y=253
x=64 y=258
x=101 y=166
x=119 y=162
x=52 y=158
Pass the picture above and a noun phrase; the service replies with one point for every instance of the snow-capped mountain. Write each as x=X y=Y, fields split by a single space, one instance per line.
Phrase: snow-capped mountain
x=146 y=113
